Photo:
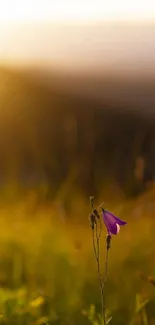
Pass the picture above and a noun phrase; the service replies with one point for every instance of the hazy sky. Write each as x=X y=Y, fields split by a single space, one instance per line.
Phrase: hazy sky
x=71 y=10
x=80 y=33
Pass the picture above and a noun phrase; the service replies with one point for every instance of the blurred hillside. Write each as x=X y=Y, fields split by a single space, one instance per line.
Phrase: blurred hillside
x=62 y=140
x=99 y=129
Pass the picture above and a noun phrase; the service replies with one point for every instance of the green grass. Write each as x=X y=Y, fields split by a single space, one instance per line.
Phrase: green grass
x=47 y=267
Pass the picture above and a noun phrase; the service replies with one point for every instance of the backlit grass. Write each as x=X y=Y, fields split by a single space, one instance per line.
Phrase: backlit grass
x=47 y=267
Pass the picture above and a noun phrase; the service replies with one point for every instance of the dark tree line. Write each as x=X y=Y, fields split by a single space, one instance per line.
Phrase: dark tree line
x=45 y=133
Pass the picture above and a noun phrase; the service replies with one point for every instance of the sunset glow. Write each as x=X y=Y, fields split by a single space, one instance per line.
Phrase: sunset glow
x=75 y=10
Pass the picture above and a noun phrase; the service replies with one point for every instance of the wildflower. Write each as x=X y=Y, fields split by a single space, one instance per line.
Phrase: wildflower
x=112 y=222
x=37 y=302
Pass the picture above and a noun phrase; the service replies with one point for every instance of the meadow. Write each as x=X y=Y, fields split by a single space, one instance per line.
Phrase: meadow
x=47 y=266
x=56 y=149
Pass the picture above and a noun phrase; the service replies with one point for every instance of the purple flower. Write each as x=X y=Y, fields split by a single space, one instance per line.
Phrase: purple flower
x=112 y=222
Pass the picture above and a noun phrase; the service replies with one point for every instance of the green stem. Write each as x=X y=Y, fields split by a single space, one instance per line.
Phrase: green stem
x=104 y=284
x=97 y=257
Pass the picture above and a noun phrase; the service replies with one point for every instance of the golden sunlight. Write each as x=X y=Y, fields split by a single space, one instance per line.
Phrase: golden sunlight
x=75 y=10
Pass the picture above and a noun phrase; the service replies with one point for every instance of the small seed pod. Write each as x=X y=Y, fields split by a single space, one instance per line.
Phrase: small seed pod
x=96 y=213
x=92 y=220
x=91 y=201
x=108 y=241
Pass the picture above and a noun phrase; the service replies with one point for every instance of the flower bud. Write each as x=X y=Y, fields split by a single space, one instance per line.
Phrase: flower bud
x=108 y=241
x=91 y=201
x=96 y=213
x=92 y=220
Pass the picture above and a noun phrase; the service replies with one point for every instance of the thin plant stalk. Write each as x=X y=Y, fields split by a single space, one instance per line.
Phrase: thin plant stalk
x=96 y=235
x=97 y=257
x=112 y=224
x=104 y=284
x=96 y=246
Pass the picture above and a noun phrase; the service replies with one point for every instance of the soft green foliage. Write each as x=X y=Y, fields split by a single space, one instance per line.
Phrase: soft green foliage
x=140 y=310
x=48 y=271
x=96 y=318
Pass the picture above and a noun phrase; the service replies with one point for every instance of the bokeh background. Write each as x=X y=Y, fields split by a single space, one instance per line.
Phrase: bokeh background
x=77 y=118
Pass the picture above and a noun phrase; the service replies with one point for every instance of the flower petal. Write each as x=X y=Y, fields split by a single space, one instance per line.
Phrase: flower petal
x=119 y=221
x=118 y=227
x=110 y=223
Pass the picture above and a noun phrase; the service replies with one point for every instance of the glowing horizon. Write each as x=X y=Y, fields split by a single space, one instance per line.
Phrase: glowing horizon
x=14 y=11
